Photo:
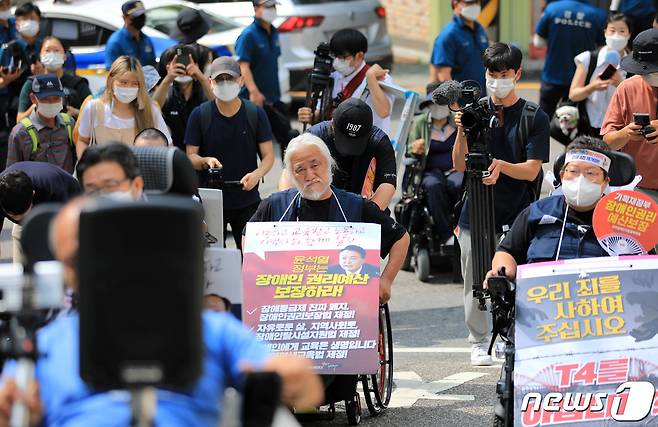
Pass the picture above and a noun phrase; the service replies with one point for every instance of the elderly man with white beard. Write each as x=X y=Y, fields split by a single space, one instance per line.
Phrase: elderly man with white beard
x=309 y=163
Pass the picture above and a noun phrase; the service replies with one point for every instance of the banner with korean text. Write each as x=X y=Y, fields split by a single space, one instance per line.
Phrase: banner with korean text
x=586 y=342
x=312 y=289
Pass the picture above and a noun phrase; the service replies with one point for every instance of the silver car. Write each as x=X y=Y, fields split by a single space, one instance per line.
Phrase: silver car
x=303 y=24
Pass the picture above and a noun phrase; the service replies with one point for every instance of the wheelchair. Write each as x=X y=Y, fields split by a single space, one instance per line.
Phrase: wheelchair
x=412 y=212
x=377 y=388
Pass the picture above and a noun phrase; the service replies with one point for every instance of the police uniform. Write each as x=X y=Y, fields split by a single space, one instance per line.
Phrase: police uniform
x=121 y=42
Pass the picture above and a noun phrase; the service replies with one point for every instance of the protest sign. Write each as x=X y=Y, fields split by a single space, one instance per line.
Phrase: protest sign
x=312 y=288
x=586 y=342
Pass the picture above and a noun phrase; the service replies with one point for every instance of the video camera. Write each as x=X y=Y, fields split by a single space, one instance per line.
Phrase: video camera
x=215 y=179
x=319 y=83
x=323 y=63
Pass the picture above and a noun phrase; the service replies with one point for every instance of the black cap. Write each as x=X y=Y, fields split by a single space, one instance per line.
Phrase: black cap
x=191 y=25
x=644 y=59
x=44 y=85
x=352 y=126
x=133 y=8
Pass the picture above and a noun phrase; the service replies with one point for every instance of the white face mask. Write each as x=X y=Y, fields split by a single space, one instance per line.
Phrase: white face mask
x=52 y=60
x=581 y=192
x=471 y=12
x=125 y=94
x=651 y=79
x=5 y=14
x=183 y=79
x=616 y=42
x=269 y=14
x=439 y=112
x=120 y=196
x=50 y=110
x=500 y=88
x=29 y=28
x=343 y=66
x=226 y=91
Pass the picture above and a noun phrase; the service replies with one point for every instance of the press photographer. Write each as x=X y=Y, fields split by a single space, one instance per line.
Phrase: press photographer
x=352 y=78
x=517 y=145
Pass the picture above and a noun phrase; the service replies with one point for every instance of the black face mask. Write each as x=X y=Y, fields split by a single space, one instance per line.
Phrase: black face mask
x=138 y=22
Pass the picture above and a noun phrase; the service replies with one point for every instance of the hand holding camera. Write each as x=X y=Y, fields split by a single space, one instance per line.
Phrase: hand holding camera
x=647 y=127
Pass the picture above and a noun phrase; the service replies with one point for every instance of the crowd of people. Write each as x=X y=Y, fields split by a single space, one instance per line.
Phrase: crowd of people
x=60 y=140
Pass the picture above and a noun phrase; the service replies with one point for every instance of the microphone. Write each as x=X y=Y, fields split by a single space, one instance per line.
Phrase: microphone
x=613 y=58
x=448 y=92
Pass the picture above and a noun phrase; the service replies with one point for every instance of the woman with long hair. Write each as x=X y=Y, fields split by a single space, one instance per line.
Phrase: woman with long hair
x=124 y=109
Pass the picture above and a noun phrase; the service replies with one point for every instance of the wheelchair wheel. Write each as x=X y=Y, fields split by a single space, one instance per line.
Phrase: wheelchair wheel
x=353 y=410
x=422 y=264
x=377 y=388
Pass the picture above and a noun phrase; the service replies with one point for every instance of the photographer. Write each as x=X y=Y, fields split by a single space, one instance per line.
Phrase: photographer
x=230 y=352
x=230 y=133
x=352 y=76
x=516 y=164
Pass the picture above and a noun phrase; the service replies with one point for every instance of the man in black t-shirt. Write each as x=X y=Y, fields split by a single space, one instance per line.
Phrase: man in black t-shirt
x=232 y=141
x=514 y=168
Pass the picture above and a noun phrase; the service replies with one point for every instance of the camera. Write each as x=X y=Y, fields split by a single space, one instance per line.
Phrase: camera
x=215 y=179
x=477 y=114
x=323 y=63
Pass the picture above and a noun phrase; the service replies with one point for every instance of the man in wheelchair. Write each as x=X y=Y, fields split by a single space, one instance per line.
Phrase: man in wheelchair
x=552 y=228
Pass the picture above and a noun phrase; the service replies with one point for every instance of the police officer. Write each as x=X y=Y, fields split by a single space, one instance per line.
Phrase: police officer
x=130 y=40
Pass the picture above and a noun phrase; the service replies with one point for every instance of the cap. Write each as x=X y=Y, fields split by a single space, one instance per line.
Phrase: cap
x=224 y=65
x=191 y=25
x=44 y=85
x=151 y=77
x=644 y=59
x=352 y=126
x=264 y=2
x=133 y=8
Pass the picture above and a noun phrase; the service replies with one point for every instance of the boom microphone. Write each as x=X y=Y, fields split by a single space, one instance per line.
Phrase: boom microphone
x=447 y=93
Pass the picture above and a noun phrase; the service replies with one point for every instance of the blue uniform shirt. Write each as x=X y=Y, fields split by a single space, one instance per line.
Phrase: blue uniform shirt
x=261 y=50
x=461 y=49
x=32 y=51
x=121 y=42
x=67 y=400
x=637 y=7
x=7 y=34
x=569 y=27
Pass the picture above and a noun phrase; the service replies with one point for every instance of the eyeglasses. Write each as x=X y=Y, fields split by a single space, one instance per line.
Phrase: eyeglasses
x=224 y=78
x=108 y=186
x=590 y=174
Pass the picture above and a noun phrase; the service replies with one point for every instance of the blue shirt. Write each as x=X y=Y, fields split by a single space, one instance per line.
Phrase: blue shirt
x=121 y=42
x=7 y=34
x=32 y=51
x=261 y=50
x=460 y=48
x=569 y=27
x=69 y=402
x=231 y=141
x=637 y=7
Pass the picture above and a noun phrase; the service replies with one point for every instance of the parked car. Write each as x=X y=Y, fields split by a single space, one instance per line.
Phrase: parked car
x=86 y=25
x=304 y=24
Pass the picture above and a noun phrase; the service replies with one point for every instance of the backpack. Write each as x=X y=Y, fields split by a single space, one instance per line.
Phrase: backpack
x=34 y=135
x=250 y=108
x=525 y=124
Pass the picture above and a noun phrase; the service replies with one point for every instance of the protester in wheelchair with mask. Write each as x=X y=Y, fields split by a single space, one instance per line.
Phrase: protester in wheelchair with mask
x=431 y=185
x=554 y=228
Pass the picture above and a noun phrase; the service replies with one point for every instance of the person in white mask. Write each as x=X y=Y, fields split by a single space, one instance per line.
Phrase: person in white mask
x=514 y=170
x=45 y=134
x=182 y=89
x=51 y=60
x=560 y=227
x=431 y=138
x=28 y=21
x=231 y=133
x=352 y=77
x=588 y=84
x=124 y=109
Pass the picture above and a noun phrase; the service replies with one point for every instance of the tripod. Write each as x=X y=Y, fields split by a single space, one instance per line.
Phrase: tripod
x=318 y=95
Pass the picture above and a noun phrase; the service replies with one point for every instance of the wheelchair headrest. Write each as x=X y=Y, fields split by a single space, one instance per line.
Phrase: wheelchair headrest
x=35 y=239
x=622 y=168
x=166 y=170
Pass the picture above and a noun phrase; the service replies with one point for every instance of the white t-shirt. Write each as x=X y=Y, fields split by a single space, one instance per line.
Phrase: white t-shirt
x=597 y=102
x=340 y=81
x=112 y=121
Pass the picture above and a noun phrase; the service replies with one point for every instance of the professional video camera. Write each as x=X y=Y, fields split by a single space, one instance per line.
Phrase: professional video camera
x=215 y=179
x=319 y=83
x=477 y=118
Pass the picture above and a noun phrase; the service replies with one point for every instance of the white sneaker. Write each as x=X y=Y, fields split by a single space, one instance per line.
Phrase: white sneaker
x=479 y=356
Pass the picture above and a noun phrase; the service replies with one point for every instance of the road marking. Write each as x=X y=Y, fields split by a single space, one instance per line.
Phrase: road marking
x=431 y=350
x=410 y=388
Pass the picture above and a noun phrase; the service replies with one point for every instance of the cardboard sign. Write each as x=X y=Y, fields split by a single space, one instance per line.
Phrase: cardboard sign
x=625 y=223
x=312 y=289
x=586 y=342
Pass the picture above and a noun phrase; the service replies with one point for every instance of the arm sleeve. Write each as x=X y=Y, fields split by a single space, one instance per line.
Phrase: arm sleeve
x=160 y=122
x=414 y=133
x=193 y=128
x=517 y=240
x=444 y=53
x=14 y=151
x=243 y=49
x=264 y=131
x=390 y=229
x=538 y=146
x=385 y=171
x=24 y=97
x=583 y=59
x=112 y=51
x=84 y=119
x=542 y=26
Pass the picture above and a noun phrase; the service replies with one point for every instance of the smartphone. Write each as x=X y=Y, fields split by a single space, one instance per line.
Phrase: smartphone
x=184 y=55
x=609 y=71
x=641 y=119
